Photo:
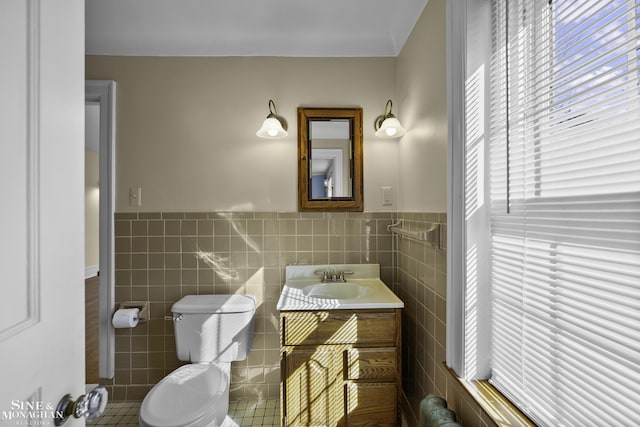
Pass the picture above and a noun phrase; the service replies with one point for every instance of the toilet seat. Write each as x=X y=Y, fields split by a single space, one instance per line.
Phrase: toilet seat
x=192 y=395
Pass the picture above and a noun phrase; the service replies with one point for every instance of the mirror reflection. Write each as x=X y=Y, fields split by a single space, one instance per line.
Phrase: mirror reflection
x=331 y=155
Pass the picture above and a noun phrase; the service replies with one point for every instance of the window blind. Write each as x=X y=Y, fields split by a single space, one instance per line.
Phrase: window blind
x=565 y=209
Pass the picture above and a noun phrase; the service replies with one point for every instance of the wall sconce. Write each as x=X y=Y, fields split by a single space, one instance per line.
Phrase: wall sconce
x=274 y=126
x=387 y=125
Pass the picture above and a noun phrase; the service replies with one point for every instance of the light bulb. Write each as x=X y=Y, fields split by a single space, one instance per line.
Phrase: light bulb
x=390 y=128
x=272 y=128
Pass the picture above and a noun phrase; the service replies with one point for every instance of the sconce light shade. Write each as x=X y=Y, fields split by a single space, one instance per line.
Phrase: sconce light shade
x=387 y=125
x=274 y=126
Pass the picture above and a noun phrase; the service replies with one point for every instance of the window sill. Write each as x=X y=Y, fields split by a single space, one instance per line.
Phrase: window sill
x=501 y=411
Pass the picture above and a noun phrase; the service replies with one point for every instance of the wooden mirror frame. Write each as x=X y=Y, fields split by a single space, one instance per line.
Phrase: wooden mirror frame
x=354 y=203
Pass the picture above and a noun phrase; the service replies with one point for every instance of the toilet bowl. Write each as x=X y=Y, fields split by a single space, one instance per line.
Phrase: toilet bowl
x=195 y=395
x=211 y=331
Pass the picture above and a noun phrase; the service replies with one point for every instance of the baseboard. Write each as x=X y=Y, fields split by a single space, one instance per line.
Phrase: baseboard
x=91 y=271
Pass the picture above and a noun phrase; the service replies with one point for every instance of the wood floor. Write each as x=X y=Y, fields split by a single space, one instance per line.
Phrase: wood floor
x=91 y=290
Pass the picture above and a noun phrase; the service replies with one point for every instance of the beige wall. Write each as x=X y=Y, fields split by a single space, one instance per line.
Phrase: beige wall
x=186 y=127
x=421 y=105
x=91 y=208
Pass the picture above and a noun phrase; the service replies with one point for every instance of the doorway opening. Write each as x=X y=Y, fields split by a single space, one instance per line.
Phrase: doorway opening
x=100 y=152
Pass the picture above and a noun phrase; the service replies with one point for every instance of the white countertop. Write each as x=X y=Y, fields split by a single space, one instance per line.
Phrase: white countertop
x=363 y=289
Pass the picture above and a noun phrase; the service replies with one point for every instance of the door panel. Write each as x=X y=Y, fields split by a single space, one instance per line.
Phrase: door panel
x=41 y=188
x=18 y=165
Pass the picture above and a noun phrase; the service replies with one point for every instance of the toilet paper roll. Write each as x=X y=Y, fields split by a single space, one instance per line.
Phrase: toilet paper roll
x=125 y=318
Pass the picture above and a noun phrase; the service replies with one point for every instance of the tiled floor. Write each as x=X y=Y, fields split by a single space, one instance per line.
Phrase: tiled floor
x=249 y=413
x=119 y=414
x=244 y=413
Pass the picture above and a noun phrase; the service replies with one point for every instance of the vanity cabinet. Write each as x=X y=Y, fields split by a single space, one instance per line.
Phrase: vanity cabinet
x=340 y=367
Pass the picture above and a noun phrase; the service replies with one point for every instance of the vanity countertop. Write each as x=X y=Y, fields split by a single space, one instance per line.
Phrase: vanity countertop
x=363 y=289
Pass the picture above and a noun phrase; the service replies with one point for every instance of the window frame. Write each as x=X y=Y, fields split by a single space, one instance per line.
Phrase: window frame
x=459 y=31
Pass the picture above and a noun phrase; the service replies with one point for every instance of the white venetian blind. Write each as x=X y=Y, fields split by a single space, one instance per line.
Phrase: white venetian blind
x=565 y=210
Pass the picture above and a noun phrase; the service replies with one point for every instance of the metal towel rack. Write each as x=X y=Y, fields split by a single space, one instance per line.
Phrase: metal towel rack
x=430 y=235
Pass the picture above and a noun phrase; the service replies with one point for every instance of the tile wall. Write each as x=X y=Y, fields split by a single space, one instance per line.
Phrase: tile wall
x=421 y=284
x=162 y=256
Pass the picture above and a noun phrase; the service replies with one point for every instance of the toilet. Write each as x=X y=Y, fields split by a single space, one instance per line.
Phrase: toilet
x=211 y=332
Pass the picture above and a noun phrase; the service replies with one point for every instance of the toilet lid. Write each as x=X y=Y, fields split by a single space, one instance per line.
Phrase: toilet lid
x=209 y=304
x=192 y=395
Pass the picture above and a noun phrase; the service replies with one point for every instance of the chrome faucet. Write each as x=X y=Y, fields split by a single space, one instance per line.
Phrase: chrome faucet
x=333 y=276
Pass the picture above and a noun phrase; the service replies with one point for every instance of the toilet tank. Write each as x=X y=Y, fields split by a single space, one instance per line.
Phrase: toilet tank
x=214 y=328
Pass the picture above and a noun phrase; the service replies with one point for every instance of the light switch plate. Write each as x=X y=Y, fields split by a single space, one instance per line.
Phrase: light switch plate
x=387 y=196
x=135 y=196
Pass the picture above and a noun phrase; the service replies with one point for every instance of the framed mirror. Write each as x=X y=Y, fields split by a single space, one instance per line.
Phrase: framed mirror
x=330 y=159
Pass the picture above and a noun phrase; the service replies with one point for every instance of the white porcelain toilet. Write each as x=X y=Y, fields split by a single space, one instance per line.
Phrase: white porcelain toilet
x=211 y=332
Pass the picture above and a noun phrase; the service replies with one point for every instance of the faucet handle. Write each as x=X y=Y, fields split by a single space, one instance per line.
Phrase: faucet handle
x=324 y=274
x=342 y=274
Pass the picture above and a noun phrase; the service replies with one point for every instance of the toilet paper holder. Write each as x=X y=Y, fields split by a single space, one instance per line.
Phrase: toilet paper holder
x=143 y=306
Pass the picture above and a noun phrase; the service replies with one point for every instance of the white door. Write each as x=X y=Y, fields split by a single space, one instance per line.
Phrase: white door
x=41 y=208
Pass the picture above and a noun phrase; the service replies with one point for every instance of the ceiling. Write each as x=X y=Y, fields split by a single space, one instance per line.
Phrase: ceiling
x=331 y=129
x=305 y=28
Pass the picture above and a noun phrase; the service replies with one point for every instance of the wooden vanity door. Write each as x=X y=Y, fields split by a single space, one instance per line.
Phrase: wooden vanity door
x=313 y=395
x=371 y=404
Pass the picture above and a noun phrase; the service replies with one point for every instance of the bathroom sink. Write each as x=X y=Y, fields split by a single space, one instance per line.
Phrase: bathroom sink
x=335 y=290
x=363 y=289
